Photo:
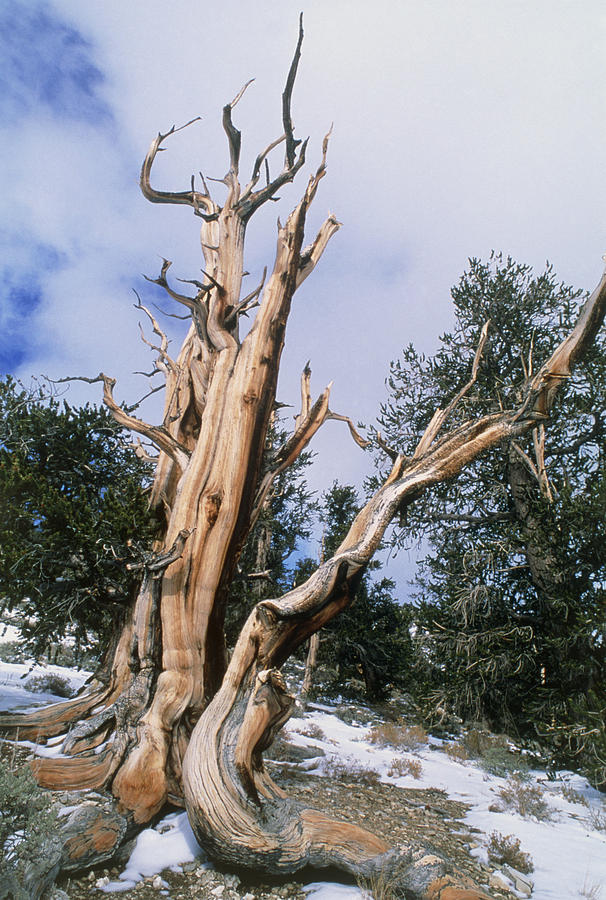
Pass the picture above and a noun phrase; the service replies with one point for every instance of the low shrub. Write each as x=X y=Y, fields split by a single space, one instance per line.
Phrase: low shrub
x=352 y=714
x=399 y=767
x=477 y=741
x=310 y=729
x=28 y=822
x=569 y=793
x=12 y=652
x=502 y=762
x=49 y=683
x=349 y=770
x=381 y=886
x=526 y=799
x=457 y=751
x=401 y=737
x=597 y=818
x=505 y=848
x=591 y=890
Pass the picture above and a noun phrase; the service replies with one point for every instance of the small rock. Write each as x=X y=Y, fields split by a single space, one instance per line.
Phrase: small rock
x=157 y=883
x=523 y=884
x=101 y=882
x=497 y=883
x=218 y=891
x=248 y=896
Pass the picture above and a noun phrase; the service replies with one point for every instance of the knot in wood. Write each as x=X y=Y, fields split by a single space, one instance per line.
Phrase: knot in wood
x=274 y=677
x=212 y=505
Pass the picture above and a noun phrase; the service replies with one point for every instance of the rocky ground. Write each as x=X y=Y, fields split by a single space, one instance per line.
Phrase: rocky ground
x=395 y=814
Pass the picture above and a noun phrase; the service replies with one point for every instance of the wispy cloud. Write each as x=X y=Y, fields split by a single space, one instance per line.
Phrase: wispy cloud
x=46 y=64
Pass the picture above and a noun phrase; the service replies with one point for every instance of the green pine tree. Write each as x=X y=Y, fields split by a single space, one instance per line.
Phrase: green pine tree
x=72 y=498
x=511 y=596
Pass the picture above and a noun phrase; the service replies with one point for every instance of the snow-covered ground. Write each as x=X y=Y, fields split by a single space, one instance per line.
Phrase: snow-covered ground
x=568 y=851
x=14 y=676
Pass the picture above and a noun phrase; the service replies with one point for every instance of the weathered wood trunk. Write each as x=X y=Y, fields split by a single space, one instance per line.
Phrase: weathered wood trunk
x=167 y=719
x=311 y=661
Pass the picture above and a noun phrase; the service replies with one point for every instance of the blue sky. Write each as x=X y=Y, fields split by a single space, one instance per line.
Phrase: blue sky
x=459 y=127
x=47 y=73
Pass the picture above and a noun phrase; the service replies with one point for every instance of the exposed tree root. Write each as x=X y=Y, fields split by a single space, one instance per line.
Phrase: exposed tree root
x=51 y=721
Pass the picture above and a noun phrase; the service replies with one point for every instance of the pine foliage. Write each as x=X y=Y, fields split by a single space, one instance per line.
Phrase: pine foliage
x=71 y=493
x=511 y=596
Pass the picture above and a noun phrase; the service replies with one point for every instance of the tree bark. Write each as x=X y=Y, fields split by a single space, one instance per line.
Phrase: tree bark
x=310 y=665
x=168 y=719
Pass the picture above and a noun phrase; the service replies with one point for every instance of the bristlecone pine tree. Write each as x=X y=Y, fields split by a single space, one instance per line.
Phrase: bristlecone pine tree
x=169 y=718
x=511 y=624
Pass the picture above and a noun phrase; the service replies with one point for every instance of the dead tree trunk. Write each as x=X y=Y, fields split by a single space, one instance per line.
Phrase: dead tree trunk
x=166 y=719
x=310 y=665
x=209 y=485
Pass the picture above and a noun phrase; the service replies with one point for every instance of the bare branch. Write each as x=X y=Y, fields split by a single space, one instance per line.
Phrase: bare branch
x=213 y=281
x=158 y=435
x=311 y=254
x=249 y=302
x=259 y=575
x=291 y=143
x=260 y=160
x=171 y=315
x=160 y=387
x=250 y=201
x=292 y=447
x=141 y=452
x=558 y=367
x=538 y=440
x=190 y=302
x=314 y=181
x=164 y=361
x=441 y=415
x=196 y=305
x=305 y=396
x=190 y=198
x=249 y=204
x=466 y=519
x=161 y=561
x=307 y=423
x=360 y=441
x=391 y=453
x=234 y=137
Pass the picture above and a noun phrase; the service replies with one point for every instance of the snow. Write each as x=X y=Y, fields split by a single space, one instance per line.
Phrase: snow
x=330 y=890
x=13 y=694
x=166 y=846
x=569 y=854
